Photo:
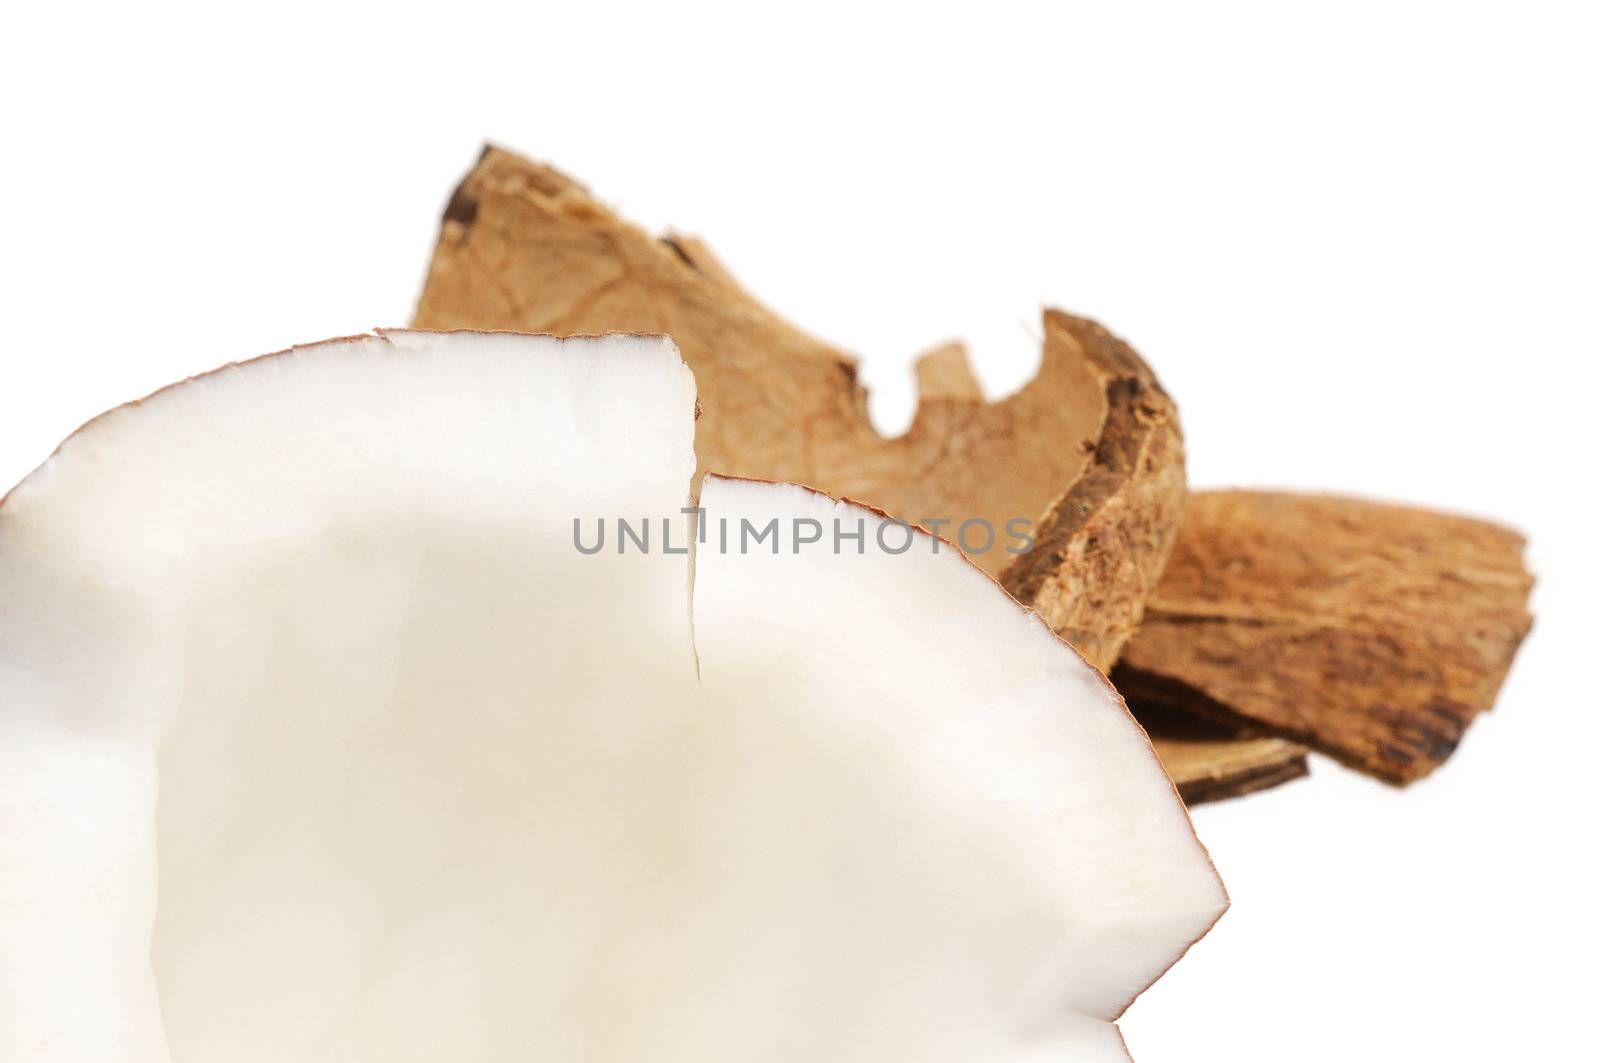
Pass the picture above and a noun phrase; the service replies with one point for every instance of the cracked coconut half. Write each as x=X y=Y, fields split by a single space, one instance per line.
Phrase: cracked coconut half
x=321 y=740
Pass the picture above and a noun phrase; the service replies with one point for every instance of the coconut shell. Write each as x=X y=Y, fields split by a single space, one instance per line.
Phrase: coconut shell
x=1372 y=632
x=1209 y=761
x=1090 y=451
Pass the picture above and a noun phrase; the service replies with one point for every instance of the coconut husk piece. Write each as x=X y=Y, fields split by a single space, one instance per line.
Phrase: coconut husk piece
x=1371 y=632
x=1090 y=450
x=1209 y=761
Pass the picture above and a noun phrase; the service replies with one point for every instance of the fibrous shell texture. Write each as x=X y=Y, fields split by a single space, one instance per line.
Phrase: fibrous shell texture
x=1373 y=632
x=1089 y=454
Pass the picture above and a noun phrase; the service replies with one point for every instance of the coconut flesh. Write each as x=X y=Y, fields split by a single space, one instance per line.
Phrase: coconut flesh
x=321 y=741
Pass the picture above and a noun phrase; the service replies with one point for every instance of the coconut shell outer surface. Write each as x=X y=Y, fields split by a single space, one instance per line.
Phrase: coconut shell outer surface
x=1090 y=452
x=1372 y=632
x=1102 y=546
x=1210 y=761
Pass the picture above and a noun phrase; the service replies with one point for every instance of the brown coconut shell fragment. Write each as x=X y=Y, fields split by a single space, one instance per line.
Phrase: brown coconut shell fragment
x=1209 y=761
x=1089 y=451
x=1372 y=632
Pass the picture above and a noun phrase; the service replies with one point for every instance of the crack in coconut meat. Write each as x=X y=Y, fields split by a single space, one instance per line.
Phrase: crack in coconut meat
x=321 y=741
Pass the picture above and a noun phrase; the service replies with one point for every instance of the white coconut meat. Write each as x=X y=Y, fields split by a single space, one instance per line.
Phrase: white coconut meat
x=321 y=740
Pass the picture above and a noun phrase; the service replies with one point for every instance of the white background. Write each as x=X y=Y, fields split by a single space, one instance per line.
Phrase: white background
x=1359 y=245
